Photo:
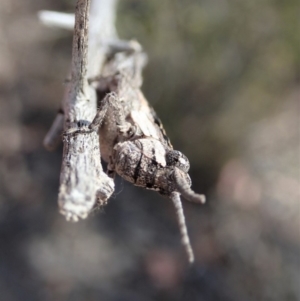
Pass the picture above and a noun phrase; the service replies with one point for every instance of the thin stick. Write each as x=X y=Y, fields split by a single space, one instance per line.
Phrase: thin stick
x=56 y=19
x=82 y=179
x=53 y=137
x=175 y=197
x=80 y=47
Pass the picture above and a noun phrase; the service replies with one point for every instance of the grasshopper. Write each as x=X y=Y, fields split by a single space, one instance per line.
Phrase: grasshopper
x=133 y=141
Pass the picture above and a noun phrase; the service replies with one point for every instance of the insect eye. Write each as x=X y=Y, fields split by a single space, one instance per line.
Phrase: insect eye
x=177 y=159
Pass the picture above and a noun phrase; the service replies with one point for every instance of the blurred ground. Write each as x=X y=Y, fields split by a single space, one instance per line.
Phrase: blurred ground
x=224 y=78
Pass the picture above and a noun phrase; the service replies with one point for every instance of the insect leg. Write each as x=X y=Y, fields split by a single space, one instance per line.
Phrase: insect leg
x=111 y=101
x=183 y=187
x=175 y=197
x=97 y=121
x=111 y=168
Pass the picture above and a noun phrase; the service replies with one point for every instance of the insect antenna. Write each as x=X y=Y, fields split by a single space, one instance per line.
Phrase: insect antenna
x=184 y=188
x=175 y=197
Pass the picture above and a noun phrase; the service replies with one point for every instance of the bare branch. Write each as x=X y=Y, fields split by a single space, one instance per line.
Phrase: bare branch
x=82 y=179
x=57 y=19
x=79 y=49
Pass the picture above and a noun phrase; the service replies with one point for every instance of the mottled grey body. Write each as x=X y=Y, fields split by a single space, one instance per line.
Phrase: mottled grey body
x=133 y=140
x=128 y=108
x=143 y=163
x=140 y=119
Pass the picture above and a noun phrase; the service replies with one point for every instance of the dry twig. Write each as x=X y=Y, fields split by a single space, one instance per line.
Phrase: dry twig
x=82 y=180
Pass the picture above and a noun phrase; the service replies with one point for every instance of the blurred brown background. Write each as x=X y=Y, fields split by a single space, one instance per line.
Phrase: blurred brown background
x=224 y=78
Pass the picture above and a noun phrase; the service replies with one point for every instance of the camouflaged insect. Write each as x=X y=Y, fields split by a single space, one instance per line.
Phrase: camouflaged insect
x=132 y=138
x=133 y=141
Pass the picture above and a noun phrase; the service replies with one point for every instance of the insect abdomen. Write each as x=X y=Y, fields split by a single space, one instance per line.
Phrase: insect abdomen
x=140 y=161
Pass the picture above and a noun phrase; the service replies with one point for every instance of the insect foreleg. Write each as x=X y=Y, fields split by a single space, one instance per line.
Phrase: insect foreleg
x=101 y=113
